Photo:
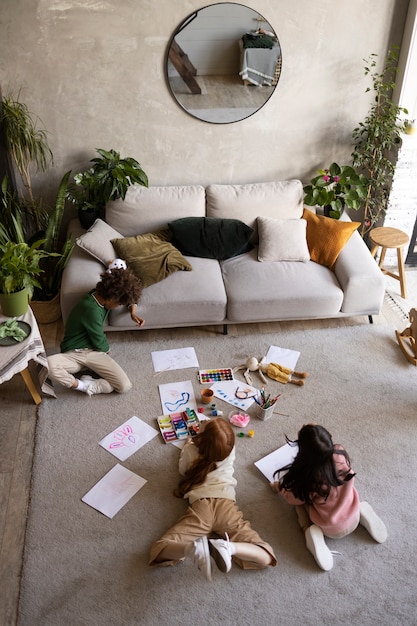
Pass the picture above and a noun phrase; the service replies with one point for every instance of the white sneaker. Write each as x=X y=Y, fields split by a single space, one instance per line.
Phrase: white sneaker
x=317 y=546
x=373 y=524
x=96 y=385
x=199 y=552
x=221 y=553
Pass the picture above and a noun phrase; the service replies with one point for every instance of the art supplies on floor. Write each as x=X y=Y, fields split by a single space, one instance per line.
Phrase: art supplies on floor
x=281 y=457
x=128 y=438
x=177 y=396
x=114 y=490
x=215 y=375
x=177 y=359
x=178 y=426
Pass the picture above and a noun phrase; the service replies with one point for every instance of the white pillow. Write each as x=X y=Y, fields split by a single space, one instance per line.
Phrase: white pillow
x=282 y=240
x=97 y=241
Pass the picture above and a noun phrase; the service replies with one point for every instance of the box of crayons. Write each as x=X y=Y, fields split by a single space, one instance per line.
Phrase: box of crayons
x=177 y=426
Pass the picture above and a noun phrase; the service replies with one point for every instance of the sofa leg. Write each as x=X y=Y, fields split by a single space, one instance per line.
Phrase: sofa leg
x=371 y=319
x=224 y=329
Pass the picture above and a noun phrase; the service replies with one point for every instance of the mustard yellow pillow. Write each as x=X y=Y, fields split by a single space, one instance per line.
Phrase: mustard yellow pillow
x=326 y=237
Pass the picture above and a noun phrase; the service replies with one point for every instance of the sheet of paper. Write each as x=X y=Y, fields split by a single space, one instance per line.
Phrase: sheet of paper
x=114 y=490
x=177 y=396
x=226 y=391
x=282 y=356
x=128 y=438
x=279 y=458
x=178 y=359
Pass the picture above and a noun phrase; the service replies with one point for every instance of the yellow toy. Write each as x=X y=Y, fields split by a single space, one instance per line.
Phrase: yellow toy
x=408 y=339
x=273 y=370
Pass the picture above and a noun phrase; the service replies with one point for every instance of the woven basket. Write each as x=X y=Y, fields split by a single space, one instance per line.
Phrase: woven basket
x=47 y=311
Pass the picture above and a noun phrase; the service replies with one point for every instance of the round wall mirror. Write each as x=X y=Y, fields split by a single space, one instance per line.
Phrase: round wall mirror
x=223 y=63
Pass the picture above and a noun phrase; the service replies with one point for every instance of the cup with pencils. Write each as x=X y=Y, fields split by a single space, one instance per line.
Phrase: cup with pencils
x=265 y=404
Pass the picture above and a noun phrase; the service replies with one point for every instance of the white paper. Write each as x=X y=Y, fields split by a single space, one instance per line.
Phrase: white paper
x=114 y=490
x=282 y=356
x=226 y=391
x=128 y=438
x=177 y=396
x=177 y=359
x=277 y=459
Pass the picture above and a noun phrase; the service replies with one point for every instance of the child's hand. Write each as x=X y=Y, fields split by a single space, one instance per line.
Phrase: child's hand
x=138 y=320
x=275 y=486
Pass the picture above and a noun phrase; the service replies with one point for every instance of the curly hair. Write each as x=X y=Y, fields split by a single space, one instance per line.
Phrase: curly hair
x=120 y=285
x=313 y=471
x=215 y=442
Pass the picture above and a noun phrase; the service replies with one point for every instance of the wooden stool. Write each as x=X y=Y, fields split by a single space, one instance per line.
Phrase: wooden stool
x=387 y=237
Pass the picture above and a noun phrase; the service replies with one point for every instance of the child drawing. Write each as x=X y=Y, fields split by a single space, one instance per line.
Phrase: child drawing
x=213 y=525
x=320 y=483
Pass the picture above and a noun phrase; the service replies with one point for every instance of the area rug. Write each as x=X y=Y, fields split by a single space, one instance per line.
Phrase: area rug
x=82 y=568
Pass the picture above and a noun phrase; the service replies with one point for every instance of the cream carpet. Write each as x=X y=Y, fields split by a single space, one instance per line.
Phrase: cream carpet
x=83 y=569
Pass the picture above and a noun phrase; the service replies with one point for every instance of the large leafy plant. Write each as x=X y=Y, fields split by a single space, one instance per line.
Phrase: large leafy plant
x=377 y=139
x=107 y=179
x=337 y=187
x=20 y=266
x=22 y=217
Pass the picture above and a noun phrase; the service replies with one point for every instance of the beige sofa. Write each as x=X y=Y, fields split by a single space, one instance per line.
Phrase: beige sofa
x=251 y=287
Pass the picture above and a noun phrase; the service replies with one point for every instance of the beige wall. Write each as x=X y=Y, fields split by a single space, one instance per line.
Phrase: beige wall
x=93 y=70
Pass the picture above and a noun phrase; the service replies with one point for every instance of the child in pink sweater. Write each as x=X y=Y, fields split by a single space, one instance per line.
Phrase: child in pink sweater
x=320 y=483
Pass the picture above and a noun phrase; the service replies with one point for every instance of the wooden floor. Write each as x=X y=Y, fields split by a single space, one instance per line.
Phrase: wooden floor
x=17 y=430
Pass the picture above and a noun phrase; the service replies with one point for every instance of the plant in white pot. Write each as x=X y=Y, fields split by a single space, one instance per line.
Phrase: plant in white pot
x=19 y=275
x=108 y=179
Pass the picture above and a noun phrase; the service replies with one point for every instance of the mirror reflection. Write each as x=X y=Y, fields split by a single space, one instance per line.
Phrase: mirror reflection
x=223 y=63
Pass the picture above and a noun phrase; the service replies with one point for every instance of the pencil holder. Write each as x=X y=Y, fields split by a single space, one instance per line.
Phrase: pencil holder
x=264 y=414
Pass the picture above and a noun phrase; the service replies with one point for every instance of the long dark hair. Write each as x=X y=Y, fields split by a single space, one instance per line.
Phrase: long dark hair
x=215 y=442
x=313 y=470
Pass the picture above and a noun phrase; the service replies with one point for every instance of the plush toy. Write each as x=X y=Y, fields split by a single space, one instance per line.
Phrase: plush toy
x=116 y=264
x=273 y=370
x=408 y=338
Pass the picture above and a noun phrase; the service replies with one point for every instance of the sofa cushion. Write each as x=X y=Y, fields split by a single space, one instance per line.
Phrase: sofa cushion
x=146 y=209
x=151 y=256
x=326 y=237
x=211 y=237
x=262 y=292
x=282 y=199
x=97 y=241
x=282 y=240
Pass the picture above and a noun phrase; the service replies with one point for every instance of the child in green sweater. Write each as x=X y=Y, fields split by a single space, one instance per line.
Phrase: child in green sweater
x=85 y=344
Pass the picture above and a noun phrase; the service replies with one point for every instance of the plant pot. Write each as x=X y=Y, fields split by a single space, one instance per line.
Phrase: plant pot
x=87 y=217
x=328 y=208
x=47 y=311
x=14 y=304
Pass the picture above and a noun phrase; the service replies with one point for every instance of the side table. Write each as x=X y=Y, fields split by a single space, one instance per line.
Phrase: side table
x=28 y=358
x=387 y=237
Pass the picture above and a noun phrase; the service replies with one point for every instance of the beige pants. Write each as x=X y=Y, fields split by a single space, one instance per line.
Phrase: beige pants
x=64 y=365
x=208 y=516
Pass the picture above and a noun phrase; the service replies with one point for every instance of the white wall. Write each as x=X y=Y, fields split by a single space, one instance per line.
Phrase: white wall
x=93 y=70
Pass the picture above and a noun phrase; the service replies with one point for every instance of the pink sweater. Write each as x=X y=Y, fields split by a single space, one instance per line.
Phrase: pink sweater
x=340 y=511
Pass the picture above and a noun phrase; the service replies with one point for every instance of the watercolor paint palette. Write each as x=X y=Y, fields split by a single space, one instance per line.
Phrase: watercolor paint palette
x=177 y=426
x=215 y=376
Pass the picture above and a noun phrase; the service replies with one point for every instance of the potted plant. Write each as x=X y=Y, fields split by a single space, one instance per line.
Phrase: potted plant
x=335 y=188
x=19 y=272
x=377 y=139
x=108 y=179
x=22 y=217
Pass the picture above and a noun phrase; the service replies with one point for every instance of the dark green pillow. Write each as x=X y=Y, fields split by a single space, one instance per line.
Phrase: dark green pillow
x=211 y=237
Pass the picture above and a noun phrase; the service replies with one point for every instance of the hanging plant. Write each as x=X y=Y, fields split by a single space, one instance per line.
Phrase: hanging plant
x=377 y=139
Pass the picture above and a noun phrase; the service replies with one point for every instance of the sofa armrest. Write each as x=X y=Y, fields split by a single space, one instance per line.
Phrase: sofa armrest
x=361 y=279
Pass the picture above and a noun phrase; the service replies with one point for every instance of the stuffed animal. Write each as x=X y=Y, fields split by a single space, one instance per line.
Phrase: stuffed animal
x=273 y=370
x=116 y=264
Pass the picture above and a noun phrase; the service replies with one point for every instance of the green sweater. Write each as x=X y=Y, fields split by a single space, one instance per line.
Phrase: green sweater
x=84 y=328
